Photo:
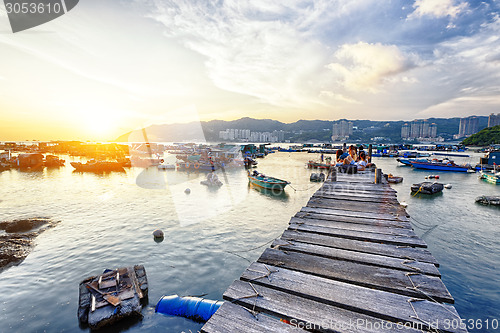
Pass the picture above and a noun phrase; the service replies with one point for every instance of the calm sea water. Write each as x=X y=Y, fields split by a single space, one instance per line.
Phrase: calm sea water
x=106 y=221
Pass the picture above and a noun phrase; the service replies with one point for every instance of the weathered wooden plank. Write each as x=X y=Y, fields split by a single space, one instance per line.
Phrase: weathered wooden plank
x=365 y=207
x=349 y=189
x=359 y=235
x=363 y=201
x=391 y=280
x=333 y=211
x=336 y=186
x=359 y=257
x=354 y=198
x=232 y=318
x=372 y=228
x=388 y=250
x=376 y=303
x=338 y=218
x=315 y=316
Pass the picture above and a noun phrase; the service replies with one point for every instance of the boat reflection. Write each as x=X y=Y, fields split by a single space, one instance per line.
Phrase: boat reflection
x=276 y=194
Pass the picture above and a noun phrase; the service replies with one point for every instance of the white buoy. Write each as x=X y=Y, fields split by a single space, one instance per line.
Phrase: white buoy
x=187 y=191
x=404 y=204
x=448 y=186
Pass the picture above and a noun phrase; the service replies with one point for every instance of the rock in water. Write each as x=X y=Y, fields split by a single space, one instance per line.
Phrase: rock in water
x=18 y=240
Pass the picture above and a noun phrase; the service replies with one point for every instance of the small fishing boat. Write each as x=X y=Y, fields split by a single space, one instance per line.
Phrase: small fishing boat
x=394 y=179
x=97 y=166
x=441 y=166
x=318 y=165
x=249 y=162
x=53 y=161
x=407 y=161
x=166 y=167
x=197 y=166
x=493 y=178
x=427 y=188
x=270 y=183
x=488 y=200
x=211 y=181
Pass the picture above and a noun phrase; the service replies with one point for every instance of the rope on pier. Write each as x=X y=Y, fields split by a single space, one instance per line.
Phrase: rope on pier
x=256 y=294
x=307 y=189
x=410 y=301
x=406 y=262
x=266 y=275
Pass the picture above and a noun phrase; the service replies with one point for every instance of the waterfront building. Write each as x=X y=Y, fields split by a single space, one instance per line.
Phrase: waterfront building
x=405 y=131
x=494 y=120
x=341 y=130
x=232 y=134
x=468 y=126
x=419 y=129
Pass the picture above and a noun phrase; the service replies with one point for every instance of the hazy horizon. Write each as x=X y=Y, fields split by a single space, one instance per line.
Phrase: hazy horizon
x=106 y=68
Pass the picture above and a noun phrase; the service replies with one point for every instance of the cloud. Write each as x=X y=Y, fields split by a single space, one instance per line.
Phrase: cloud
x=337 y=97
x=275 y=53
x=365 y=66
x=437 y=8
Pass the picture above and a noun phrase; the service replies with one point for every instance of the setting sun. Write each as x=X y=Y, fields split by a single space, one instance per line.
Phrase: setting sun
x=99 y=122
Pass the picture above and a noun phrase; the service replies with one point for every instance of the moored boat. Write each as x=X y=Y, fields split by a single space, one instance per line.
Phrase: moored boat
x=441 y=166
x=53 y=161
x=318 y=165
x=394 y=179
x=427 y=188
x=407 y=161
x=270 y=183
x=166 y=166
x=493 y=178
x=97 y=166
x=488 y=200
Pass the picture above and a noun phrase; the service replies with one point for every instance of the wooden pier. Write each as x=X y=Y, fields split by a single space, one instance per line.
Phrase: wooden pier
x=348 y=262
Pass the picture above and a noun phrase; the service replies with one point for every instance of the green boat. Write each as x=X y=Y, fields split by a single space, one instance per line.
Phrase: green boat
x=493 y=178
x=269 y=183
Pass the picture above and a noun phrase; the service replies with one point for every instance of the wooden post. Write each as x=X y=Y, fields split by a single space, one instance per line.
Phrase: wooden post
x=378 y=176
x=333 y=174
x=370 y=153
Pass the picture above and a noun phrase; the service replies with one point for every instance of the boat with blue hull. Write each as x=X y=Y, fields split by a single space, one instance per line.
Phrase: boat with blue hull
x=269 y=183
x=441 y=166
x=493 y=178
x=407 y=161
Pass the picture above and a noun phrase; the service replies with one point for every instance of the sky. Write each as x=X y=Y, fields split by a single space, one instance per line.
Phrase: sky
x=107 y=67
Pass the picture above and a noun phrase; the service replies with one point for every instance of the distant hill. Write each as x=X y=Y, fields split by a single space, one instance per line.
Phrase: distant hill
x=485 y=137
x=299 y=131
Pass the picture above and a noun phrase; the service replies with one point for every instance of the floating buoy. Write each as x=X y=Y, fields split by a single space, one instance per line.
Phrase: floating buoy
x=187 y=191
x=158 y=235
x=448 y=186
x=432 y=177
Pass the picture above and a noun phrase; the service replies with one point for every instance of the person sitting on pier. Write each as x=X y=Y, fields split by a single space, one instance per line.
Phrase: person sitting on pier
x=362 y=163
x=352 y=157
x=341 y=157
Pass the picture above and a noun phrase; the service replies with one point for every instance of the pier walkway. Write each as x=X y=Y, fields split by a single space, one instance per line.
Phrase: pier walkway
x=348 y=262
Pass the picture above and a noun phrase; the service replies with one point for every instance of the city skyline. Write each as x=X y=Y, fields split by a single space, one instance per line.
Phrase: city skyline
x=106 y=68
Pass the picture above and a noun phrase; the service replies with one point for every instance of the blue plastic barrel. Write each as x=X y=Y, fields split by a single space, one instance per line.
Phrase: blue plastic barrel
x=195 y=308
